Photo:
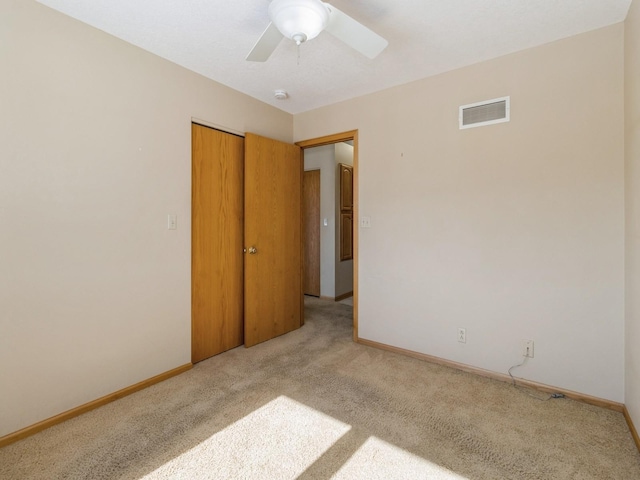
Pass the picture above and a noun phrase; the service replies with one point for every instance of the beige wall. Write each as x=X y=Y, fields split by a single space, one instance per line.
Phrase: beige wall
x=632 y=175
x=322 y=158
x=95 y=151
x=512 y=231
x=344 y=269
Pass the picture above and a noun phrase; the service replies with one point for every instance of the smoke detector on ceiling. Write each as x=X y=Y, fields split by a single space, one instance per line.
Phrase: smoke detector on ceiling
x=281 y=95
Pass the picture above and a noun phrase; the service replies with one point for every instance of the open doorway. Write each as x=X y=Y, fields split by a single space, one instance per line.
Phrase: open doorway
x=337 y=219
x=328 y=265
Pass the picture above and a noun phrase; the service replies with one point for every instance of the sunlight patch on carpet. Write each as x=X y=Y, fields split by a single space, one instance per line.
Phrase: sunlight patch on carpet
x=379 y=459
x=279 y=440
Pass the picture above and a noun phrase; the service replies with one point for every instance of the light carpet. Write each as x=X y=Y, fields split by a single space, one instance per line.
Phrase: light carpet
x=313 y=404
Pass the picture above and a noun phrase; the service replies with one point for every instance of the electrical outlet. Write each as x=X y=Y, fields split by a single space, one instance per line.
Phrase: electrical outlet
x=462 y=335
x=527 y=348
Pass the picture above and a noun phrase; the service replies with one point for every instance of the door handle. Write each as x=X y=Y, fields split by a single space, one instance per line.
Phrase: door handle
x=252 y=250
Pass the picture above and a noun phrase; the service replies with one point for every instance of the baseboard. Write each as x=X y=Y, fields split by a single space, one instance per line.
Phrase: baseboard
x=74 y=412
x=632 y=427
x=343 y=296
x=600 y=402
x=338 y=298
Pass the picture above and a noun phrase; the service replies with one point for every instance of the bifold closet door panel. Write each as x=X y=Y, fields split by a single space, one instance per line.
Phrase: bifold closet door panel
x=217 y=290
x=273 y=238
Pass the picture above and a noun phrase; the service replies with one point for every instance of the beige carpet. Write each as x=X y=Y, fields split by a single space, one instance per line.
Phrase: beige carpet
x=312 y=404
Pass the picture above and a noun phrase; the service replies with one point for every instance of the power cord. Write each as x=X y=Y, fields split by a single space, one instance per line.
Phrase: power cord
x=553 y=395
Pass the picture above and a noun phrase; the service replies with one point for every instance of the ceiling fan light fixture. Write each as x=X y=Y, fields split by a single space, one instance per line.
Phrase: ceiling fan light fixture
x=299 y=20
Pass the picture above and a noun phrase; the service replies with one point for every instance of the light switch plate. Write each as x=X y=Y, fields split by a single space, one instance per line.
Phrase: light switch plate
x=172 y=222
x=365 y=222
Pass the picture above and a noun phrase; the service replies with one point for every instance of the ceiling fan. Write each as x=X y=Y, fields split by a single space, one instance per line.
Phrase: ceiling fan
x=302 y=20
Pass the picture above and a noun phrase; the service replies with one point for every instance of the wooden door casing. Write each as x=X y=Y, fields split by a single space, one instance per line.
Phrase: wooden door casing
x=311 y=232
x=273 y=274
x=217 y=259
x=351 y=135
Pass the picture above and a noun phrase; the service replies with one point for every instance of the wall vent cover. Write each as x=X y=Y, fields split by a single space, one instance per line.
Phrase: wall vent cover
x=484 y=113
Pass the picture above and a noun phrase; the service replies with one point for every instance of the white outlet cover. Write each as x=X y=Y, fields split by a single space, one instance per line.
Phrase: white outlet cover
x=462 y=335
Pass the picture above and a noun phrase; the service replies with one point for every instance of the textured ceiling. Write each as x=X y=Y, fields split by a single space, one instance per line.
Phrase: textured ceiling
x=213 y=37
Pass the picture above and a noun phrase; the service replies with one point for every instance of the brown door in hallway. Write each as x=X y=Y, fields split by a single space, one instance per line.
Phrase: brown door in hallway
x=273 y=297
x=216 y=242
x=311 y=232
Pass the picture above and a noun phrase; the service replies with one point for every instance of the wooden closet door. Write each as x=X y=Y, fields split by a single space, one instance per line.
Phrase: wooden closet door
x=346 y=212
x=273 y=262
x=346 y=187
x=216 y=242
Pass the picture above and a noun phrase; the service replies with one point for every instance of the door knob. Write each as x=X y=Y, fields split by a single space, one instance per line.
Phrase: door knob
x=252 y=250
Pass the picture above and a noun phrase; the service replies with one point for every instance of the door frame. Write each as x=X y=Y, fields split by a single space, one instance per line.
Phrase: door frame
x=351 y=135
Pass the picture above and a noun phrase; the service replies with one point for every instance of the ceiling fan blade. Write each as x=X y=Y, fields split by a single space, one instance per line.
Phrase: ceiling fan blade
x=265 y=45
x=354 y=34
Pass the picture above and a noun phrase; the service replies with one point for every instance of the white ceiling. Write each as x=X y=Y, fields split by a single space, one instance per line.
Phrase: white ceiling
x=213 y=37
